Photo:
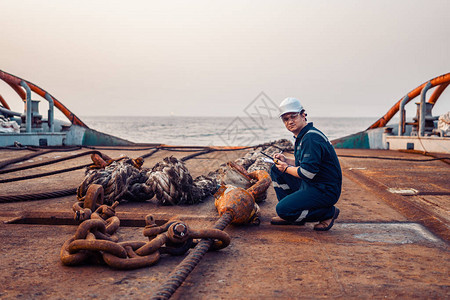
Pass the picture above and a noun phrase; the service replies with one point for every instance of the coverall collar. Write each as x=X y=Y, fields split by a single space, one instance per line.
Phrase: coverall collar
x=304 y=130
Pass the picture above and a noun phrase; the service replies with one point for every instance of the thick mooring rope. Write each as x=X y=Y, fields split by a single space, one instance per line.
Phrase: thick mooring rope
x=121 y=180
x=169 y=180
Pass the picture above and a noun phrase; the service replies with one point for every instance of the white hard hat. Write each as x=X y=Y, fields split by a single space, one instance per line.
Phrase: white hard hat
x=290 y=104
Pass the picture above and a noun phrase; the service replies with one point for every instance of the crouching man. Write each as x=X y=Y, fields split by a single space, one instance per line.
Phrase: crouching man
x=308 y=185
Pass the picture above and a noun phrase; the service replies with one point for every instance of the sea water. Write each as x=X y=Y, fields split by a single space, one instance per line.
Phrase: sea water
x=216 y=131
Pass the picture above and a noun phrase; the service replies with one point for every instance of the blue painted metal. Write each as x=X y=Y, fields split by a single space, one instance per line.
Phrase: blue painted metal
x=401 y=124
x=358 y=140
x=28 y=103
x=76 y=134
x=8 y=112
x=33 y=139
x=93 y=137
x=423 y=108
x=51 y=105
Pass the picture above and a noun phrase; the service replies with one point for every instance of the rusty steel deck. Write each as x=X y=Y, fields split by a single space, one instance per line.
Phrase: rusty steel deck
x=390 y=241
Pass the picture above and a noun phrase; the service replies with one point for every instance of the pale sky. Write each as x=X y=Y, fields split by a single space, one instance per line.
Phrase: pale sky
x=212 y=58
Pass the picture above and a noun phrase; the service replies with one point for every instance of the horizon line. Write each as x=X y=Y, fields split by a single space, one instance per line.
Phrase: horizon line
x=201 y=116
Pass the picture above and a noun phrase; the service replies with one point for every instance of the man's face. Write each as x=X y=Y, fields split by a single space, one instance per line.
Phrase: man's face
x=294 y=122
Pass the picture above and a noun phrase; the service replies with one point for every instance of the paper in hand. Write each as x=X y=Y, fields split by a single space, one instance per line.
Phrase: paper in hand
x=268 y=160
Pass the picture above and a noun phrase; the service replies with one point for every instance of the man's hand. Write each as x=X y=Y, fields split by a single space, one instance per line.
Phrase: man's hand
x=281 y=165
x=279 y=157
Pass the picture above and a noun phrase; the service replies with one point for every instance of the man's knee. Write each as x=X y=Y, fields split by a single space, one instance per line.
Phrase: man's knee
x=283 y=211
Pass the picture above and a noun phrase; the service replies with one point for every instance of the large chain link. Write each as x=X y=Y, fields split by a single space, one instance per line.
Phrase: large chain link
x=95 y=239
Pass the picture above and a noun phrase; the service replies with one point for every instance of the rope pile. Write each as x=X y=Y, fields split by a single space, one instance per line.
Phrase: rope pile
x=124 y=179
x=121 y=180
x=169 y=180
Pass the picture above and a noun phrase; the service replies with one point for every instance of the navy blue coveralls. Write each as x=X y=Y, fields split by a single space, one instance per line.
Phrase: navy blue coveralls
x=311 y=197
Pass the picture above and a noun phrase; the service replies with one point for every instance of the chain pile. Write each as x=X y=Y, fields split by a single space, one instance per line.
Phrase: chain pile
x=95 y=239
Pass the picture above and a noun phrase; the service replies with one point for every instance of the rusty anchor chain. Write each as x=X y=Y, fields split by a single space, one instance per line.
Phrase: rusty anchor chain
x=235 y=206
x=182 y=271
x=95 y=239
x=93 y=242
x=90 y=202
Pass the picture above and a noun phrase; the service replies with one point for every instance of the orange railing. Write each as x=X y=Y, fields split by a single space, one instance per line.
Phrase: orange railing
x=15 y=81
x=441 y=82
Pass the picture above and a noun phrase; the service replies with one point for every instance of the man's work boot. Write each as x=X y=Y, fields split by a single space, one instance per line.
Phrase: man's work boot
x=280 y=221
x=326 y=225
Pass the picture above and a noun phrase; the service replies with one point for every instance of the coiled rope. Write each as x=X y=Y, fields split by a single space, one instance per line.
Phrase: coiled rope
x=121 y=180
x=169 y=180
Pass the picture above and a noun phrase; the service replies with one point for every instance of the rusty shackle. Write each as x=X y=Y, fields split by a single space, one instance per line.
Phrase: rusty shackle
x=241 y=203
x=89 y=203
